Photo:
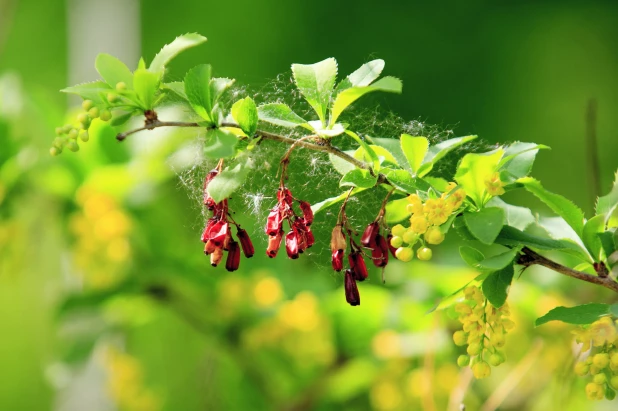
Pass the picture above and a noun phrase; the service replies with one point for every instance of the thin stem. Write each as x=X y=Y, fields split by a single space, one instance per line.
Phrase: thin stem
x=530 y=257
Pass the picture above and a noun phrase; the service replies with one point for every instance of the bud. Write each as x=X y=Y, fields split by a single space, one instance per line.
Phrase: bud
x=310 y=239
x=379 y=253
x=216 y=256
x=337 y=239
x=369 y=236
x=274 y=222
x=105 y=115
x=274 y=242
x=245 y=243
x=337 y=260
x=351 y=289
x=93 y=112
x=87 y=104
x=209 y=247
x=307 y=212
x=121 y=86
x=291 y=244
x=233 y=256
x=357 y=265
x=392 y=249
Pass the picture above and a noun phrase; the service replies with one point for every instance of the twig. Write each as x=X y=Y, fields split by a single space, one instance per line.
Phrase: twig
x=530 y=257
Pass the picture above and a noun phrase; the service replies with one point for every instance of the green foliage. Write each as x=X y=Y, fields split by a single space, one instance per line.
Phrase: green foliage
x=171 y=50
x=316 y=83
x=219 y=143
x=486 y=224
x=113 y=71
x=246 y=115
x=581 y=314
x=230 y=179
x=495 y=286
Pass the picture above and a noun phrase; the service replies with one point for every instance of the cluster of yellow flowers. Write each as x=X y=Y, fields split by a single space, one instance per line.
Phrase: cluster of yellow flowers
x=126 y=383
x=484 y=330
x=602 y=361
x=101 y=229
x=425 y=220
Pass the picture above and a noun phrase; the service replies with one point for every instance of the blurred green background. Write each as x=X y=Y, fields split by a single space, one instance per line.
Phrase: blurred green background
x=106 y=300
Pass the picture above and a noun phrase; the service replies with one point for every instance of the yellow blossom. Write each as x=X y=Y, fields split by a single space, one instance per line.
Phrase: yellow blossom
x=494 y=185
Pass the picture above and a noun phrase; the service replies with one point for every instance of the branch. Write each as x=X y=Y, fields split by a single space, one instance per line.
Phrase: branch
x=266 y=135
x=530 y=257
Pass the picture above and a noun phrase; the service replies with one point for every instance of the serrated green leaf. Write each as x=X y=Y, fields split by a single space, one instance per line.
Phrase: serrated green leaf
x=608 y=202
x=393 y=145
x=415 y=150
x=572 y=214
x=171 y=50
x=229 y=180
x=511 y=236
x=350 y=95
x=177 y=87
x=486 y=224
x=218 y=86
x=363 y=76
x=496 y=285
x=316 y=83
x=113 y=71
x=518 y=159
x=219 y=144
x=471 y=256
x=323 y=205
x=146 y=85
x=403 y=181
x=518 y=217
x=437 y=183
x=383 y=155
x=472 y=172
x=590 y=236
x=197 y=89
x=342 y=166
x=358 y=178
x=608 y=242
x=120 y=118
x=375 y=160
x=437 y=152
x=396 y=211
x=141 y=64
x=581 y=314
x=498 y=262
x=280 y=115
x=246 y=115
x=89 y=91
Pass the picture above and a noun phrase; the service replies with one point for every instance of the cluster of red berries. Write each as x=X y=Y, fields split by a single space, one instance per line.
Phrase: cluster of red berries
x=300 y=237
x=371 y=240
x=217 y=234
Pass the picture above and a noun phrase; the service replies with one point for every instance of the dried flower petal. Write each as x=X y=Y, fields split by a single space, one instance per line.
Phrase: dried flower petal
x=216 y=256
x=209 y=247
x=291 y=244
x=379 y=253
x=337 y=239
x=274 y=222
x=307 y=212
x=274 y=242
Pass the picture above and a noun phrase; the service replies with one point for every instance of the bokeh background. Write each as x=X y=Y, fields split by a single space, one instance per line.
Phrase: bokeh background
x=106 y=300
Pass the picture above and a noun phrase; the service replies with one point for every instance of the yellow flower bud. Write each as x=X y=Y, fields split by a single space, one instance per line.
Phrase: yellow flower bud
x=481 y=370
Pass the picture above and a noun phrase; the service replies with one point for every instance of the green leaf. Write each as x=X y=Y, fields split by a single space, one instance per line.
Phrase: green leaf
x=402 y=180
x=350 y=95
x=608 y=202
x=471 y=256
x=375 y=160
x=169 y=51
x=415 y=150
x=513 y=237
x=437 y=183
x=472 y=172
x=393 y=145
x=498 y=262
x=590 y=236
x=280 y=115
x=146 y=85
x=486 y=224
x=363 y=76
x=396 y=210
x=177 y=87
x=218 y=86
x=219 y=144
x=342 y=166
x=229 y=180
x=120 y=119
x=197 y=89
x=454 y=297
x=496 y=285
x=580 y=314
x=323 y=205
x=608 y=242
x=246 y=115
x=316 y=83
x=572 y=214
x=518 y=217
x=358 y=178
x=519 y=158
x=383 y=155
x=438 y=151
x=89 y=91
x=113 y=71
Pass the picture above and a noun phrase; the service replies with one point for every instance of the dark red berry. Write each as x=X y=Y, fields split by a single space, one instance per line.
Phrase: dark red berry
x=369 y=235
x=233 y=257
x=291 y=244
x=307 y=212
x=357 y=265
x=274 y=222
x=245 y=243
x=382 y=245
x=337 y=260
x=351 y=289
